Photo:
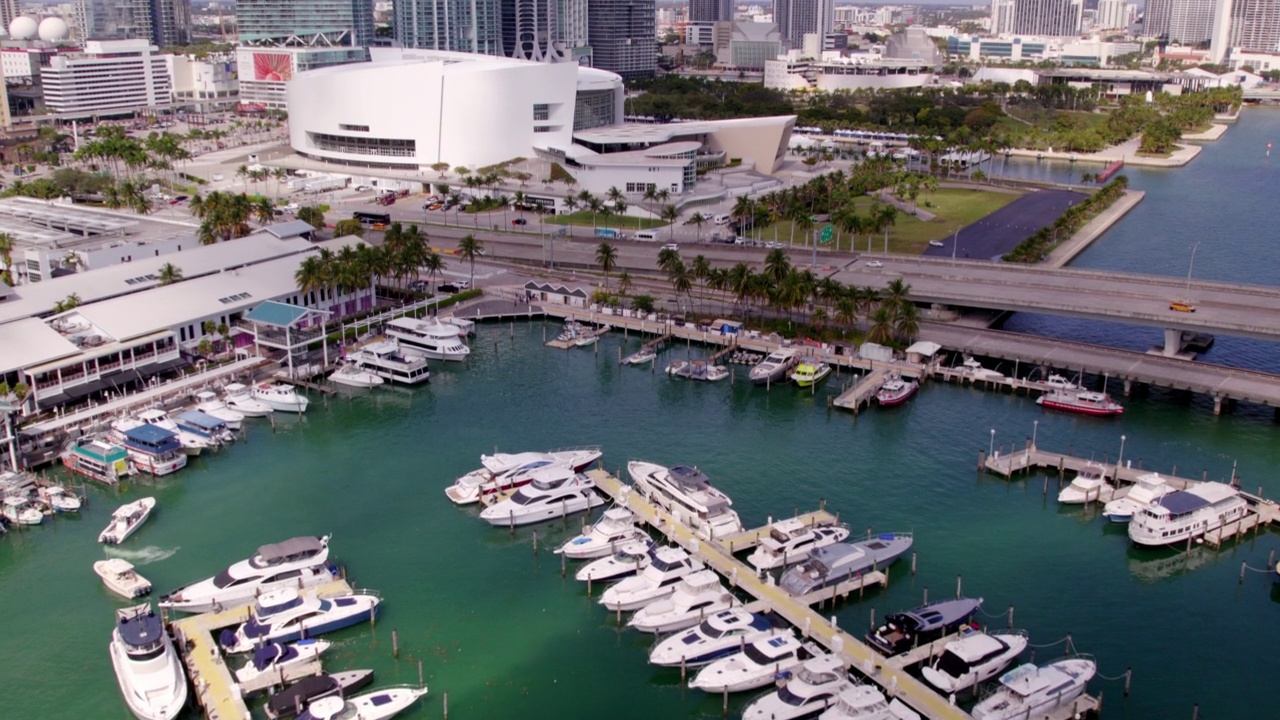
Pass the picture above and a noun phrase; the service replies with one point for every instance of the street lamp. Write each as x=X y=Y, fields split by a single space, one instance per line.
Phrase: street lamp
x=1120 y=457
x=992 y=445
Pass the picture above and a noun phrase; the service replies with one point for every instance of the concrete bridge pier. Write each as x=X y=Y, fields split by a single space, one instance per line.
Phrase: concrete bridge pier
x=1217 y=404
x=1128 y=387
x=1173 y=343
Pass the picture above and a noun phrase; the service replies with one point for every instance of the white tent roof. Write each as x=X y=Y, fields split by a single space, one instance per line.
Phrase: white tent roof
x=925 y=348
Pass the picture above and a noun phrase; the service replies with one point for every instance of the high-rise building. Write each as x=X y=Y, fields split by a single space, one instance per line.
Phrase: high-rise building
x=1002 y=17
x=305 y=22
x=170 y=22
x=622 y=35
x=1112 y=14
x=545 y=30
x=110 y=76
x=8 y=11
x=710 y=10
x=797 y=18
x=163 y=22
x=1046 y=17
x=473 y=26
x=1181 y=21
x=1255 y=25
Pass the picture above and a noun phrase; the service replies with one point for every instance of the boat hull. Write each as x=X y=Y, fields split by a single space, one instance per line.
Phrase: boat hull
x=890 y=399
x=580 y=502
x=244 y=594
x=170 y=704
x=1080 y=409
x=362 y=611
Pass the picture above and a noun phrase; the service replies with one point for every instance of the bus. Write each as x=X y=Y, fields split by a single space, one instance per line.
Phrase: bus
x=371 y=218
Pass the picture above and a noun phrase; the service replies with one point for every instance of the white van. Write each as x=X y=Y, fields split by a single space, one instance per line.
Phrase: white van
x=722 y=219
x=646 y=235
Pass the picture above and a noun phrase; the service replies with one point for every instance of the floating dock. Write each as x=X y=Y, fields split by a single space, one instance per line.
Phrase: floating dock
x=861 y=391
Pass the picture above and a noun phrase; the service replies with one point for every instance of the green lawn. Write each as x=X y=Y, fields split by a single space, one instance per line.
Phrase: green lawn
x=621 y=222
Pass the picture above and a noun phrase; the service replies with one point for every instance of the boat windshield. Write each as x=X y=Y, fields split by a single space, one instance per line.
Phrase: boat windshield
x=549 y=483
x=623 y=556
x=520 y=498
x=794 y=700
x=952 y=665
x=816 y=677
x=755 y=655
x=663 y=566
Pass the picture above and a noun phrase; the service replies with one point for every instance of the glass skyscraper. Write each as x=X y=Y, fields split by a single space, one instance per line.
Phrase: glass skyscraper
x=459 y=25
x=305 y=22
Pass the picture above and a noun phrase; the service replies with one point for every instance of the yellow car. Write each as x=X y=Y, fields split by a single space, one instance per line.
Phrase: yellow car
x=1182 y=306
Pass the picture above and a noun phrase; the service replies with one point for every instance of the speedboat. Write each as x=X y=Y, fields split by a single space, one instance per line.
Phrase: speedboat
x=389 y=361
x=555 y=491
x=696 y=596
x=281 y=397
x=192 y=443
x=21 y=510
x=810 y=372
x=240 y=399
x=279 y=660
x=285 y=615
x=667 y=567
x=865 y=702
x=719 y=635
x=503 y=471
x=973 y=659
x=701 y=370
x=154 y=450
x=1029 y=691
x=922 y=625
x=1090 y=484
x=97 y=459
x=60 y=499
x=629 y=559
x=120 y=578
x=775 y=367
x=212 y=430
x=1081 y=401
x=294 y=699
x=1184 y=514
x=376 y=705
x=1146 y=490
x=147 y=666
x=297 y=563
x=126 y=520
x=675 y=367
x=974 y=369
x=687 y=494
x=352 y=375
x=208 y=402
x=436 y=339
x=640 y=357
x=896 y=391
x=790 y=541
x=837 y=563
x=615 y=527
x=756 y=666
x=812 y=688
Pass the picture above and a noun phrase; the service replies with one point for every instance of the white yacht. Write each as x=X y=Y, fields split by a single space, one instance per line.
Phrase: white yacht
x=1029 y=691
x=376 y=705
x=352 y=375
x=120 y=578
x=629 y=559
x=1146 y=490
x=720 y=635
x=1089 y=485
x=503 y=471
x=1060 y=383
x=973 y=659
x=687 y=494
x=617 y=526
x=240 y=399
x=837 y=563
x=126 y=520
x=667 y=567
x=813 y=687
x=554 y=492
x=21 y=510
x=756 y=666
x=775 y=367
x=696 y=596
x=1183 y=514
x=208 y=402
x=297 y=563
x=278 y=659
x=864 y=702
x=147 y=666
x=389 y=361
x=281 y=397
x=974 y=369
x=436 y=339
x=285 y=616
x=790 y=541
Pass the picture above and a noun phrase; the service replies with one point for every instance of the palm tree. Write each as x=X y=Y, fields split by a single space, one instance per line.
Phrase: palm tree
x=681 y=279
x=433 y=264
x=469 y=248
x=881 y=325
x=264 y=210
x=739 y=283
x=697 y=219
x=777 y=265
x=169 y=274
x=624 y=282
x=895 y=298
x=743 y=210
x=614 y=194
x=701 y=270
x=667 y=260
x=607 y=257
x=670 y=213
x=907 y=326
x=846 y=310
x=887 y=217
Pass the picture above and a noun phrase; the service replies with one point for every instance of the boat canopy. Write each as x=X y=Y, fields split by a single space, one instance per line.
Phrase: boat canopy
x=1180 y=502
x=200 y=420
x=290 y=549
x=267 y=655
x=141 y=631
x=149 y=434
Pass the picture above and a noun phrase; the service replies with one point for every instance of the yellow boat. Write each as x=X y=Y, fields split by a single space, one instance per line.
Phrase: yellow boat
x=810 y=372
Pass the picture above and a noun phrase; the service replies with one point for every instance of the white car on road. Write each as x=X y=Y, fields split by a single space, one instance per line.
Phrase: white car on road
x=875 y=264
x=671 y=246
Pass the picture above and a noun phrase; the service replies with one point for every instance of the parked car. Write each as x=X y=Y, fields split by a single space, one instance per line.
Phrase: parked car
x=875 y=264
x=363 y=188
x=418 y=285
x=671 y=246
x=519 y=221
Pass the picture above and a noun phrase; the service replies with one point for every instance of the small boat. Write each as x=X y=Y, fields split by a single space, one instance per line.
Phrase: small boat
x=701 y=370
x=21 y=510
x=675 y=367
x=126 y=520
x=438 y=340
x=617 y=526
x=686 y=492
x=294 y=699
x=1030 y=691
x=720 y=635
x=865 y=702
x=812 y=688
x=279 y=659
x=1146 y=490
x=208 y=402
x=240 y=399
x=585 y=338
x=629 y=559
x=147 y=667
x=281 y=397
x=97 y=459
x=775 y=367
x=212 y=430
x=640 y=357
x=1082 y=401
x=696 y=596
x=790 y=541
x=376 y=705
x=120 y=578
x=1060 y=383
x=298 y=562
x=1184 y=514
x=555 y=491
x=756 y=666
x=837 y=563
x=1089 y=485
x=667 y=567
x=810 y=372
x=974 y=369
x=286 y=615
x=154 y=450
x=896 y=391
x=389 y=361
x=352 y=375
x=973 y=659
x=60 y=499
x=922 y=625
x=504 y=471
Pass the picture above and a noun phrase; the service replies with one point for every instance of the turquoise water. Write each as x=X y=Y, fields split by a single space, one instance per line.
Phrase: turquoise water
x=498 y=628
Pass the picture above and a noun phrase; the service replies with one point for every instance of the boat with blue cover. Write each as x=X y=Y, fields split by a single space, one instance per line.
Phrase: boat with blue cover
x=285 y=615
x=277 y=659
x=294 y=699
x=203 y=425
x=147 y=666
x=922 y=625
x=154 y=450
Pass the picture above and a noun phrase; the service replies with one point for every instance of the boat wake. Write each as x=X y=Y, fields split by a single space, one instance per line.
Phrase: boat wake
x=142 y=556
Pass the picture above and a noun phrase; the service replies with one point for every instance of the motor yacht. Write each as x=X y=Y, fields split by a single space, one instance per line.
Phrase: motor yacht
x=240 y=399
x=376 y=705
x=865 y=702
x=640 y=357
x=554 y=492
x=629 y=559
x=812 y=688
x=21 y=510
x=286 y=615
x=922 y=625
x=1081 y=401
x=60 y=499
x=973 y=659
x=212 y=430
x=280 y=659
x=837 y=563
x=896 y=391
x=775 y=367
x=719 y=635
x=281 y=397
x=667 y=567
x=352 y=375
x=686 y=492
x=207 y=402
x=617 y=526
x=1146 y=490
x=974 y=369
x=790 y=541
x=126 y=520
x=97 y=459
x=153 y=449
x=437 y=340
x=810 y=372
x=120 y=578
x=756 y=666
x=696 y=596
x=147 y=667
x=192 y=443
x=1059 y=382
x=298 y=562
x=294 y=699
x=389 y=361
x=1184 y=514
x=504 y=471
x=1030 y=691
x=1089 y=485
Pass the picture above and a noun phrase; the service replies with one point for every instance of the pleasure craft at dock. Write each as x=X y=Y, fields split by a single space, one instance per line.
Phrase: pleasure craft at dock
x=720 y=635
x=701 y=370
x=696 y=596
x=213 y=430
x=240 y=399
x=756 y=666
x=1146 y=490
x=973 y=659
x=154 y=450
x=974 y=369
x=1030 y=691
x=388 y=361
x=555 y=492
x=296 y=563
x=617 y=526
x=187 y=444
x=1060 y=383
x=21 y=510
x=1090 y=484
x=147 y=666
x=279 y=658
x=281 y=397
x=120 y=578
x=60 y=499
x=294 y=699
x=837 y=563
x=667 y=567
x=97 y=459
x=192 y=443
x=437 y=340
x=896 y=391
x=865 y=702
x=775 y=367
x=1081 y=401
x=504 y=471
x=208 y=402
x=629 y=559
x=640 y=357
x=1184 y=514
x=790 y=541
x=812 y=688
x=126 y=520
x=922 y=625
x=376 y=705
x=810 y=372
x=687 y=494
x=352 y=375
x=285 y=615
